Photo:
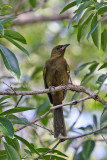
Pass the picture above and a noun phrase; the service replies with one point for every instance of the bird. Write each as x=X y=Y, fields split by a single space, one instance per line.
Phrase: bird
x=56 y=72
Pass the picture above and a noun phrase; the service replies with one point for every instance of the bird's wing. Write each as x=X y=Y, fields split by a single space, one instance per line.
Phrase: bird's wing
x=46 y=86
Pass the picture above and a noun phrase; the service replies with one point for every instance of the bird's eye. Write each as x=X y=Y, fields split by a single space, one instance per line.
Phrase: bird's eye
x=57 y=48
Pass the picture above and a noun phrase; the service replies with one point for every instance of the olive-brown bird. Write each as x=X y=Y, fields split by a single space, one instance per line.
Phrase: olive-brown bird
x=56 y=72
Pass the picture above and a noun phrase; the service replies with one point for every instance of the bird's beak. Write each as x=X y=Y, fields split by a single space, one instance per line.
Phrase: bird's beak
x=64 y=46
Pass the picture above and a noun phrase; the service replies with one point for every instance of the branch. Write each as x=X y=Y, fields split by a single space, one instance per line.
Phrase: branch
x=31 y=18
x=74 y=102
x=25 y=11
x=50 y=151
x=83 y=135
x=69 y=86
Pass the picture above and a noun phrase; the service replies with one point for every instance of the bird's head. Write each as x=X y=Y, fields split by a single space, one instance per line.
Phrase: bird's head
x=59 y=50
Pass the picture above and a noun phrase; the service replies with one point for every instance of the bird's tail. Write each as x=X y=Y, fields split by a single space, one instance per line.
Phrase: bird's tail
x=59 y=124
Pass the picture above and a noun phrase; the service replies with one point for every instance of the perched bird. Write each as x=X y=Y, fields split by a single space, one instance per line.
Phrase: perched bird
x=56 y=72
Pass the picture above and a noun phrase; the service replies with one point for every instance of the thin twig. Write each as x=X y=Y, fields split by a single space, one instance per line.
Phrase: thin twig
x=50 y=151
x=51 y=132
x=18 y=101
x=83 y=135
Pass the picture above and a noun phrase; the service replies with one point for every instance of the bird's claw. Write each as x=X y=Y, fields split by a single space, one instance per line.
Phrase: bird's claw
x=51 y=89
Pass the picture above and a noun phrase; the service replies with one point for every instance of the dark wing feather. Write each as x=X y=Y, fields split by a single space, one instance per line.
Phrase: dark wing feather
x=44 y=76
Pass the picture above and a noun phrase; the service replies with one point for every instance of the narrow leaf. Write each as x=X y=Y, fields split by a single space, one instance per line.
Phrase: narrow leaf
x=82 y=31
x=103 y=118
x=6 y=127
x=17 y=45
x=103 y=66
x=30 y=146
x=104 y=40
x=3 y=21
x=96 y=34
x=11 y=152
x=15 y=35
x=16 y=110
x=10 y=60
x=14 y=143
x=70 y=5
x=81 y=67
x=1 y=30
x=95 y=120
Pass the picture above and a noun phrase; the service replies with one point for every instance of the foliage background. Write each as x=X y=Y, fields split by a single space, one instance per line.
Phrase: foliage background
x=41 y=37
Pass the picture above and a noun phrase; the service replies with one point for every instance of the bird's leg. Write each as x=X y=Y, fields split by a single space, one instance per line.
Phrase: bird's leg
x=69 y=76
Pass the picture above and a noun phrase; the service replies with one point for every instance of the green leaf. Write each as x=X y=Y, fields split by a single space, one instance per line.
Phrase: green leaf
x=16 y=120
x=3 y=155
x=102 y=10
x=72 y=4
x=17 y=45
x=3 y=21
x=14 y=143
x=30 y=146
x=103 y=118
x=53 y=157
x=81 y=67
x=67 y=144
x=36 y=71
x=16 y=110
x=104 y=40
x=32 y=3
x=95 y=120
x=54 y=151
x=82 y=31
x=78 y=156
x=1 y=30
x=15 y=35
x=91 y=69
x=28 y=152
x=103 y=66
x=11 y=152
x=4 y=98
x=96 y=34
x=6 y=127
x=78 y=2
x=86 y=14
x=10 y=60
x=101 y=78
x=88 y=147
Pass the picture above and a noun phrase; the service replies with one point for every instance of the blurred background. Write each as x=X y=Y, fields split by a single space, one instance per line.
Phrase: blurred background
x=42 y=34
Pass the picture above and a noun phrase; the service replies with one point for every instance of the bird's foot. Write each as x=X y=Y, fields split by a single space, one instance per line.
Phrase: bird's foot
x=52 y=89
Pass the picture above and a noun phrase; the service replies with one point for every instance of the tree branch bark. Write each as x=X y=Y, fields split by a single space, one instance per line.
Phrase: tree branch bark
x=69 y=86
